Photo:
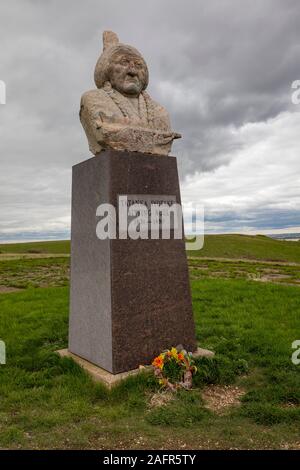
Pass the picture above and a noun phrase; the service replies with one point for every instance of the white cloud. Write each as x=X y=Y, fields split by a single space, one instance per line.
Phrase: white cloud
x=261 y=182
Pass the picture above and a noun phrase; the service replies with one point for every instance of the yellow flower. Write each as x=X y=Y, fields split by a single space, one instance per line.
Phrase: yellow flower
x=174 y=353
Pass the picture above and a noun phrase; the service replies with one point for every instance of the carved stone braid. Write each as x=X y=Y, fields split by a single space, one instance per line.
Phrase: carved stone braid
x=118 y=102
x=150 y=109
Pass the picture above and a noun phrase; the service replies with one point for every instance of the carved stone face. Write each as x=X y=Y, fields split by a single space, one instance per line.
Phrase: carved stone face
x=127 y=74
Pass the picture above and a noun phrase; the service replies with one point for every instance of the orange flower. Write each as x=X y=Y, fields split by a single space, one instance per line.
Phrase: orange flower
x=180 y=356
x=158 y=362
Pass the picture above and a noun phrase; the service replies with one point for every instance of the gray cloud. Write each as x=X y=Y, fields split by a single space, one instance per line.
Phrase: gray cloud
x=215 y=65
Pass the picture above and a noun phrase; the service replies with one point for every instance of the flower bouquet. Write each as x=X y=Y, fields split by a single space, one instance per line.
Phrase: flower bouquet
x=174 y=369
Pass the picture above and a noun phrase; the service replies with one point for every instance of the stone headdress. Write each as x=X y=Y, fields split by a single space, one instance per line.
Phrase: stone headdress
x=111 y=46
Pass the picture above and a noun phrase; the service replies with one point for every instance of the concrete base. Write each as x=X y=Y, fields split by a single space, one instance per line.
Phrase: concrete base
x=100 y=375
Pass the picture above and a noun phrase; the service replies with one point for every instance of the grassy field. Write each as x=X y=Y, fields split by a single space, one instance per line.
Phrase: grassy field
x=51 y=247
x=36 y=272
x=215 y=246
x=257 y=247
x=275 y=272
x=247 y=396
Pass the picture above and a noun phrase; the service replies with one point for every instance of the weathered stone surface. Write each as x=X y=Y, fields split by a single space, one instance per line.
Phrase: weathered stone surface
x=130 y=299
x=120 y=114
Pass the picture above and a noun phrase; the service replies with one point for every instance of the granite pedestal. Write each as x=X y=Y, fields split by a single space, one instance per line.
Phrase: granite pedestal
x=130 y=299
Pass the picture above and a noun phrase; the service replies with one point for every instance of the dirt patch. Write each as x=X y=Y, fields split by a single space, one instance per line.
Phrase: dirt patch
x=289 y=405
x=160 y=398
x=275 y=276
x=217 y=398
x=261 y=272
x=293 y=282
x=292 y=446
x=6 y=290
x=200 y=268
x=244 y=260
x=22 y=274
x=16 y=256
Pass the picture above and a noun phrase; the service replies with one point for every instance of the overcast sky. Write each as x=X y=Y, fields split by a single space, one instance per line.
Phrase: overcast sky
x=222 y=68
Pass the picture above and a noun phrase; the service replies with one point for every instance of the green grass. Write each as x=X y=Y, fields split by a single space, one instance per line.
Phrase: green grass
x=256 y=324
x=215 y=246
x=260 y=271
x=54 y=272
x=37 y=272
x=49 y=402
x=249 y=247
x=61 y=246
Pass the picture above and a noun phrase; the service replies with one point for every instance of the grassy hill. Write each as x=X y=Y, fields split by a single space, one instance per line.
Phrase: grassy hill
x=53 y=247
x=257 y=247
x=215 y=246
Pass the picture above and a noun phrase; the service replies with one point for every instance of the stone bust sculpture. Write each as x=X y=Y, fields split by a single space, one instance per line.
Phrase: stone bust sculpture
x=120 y=114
